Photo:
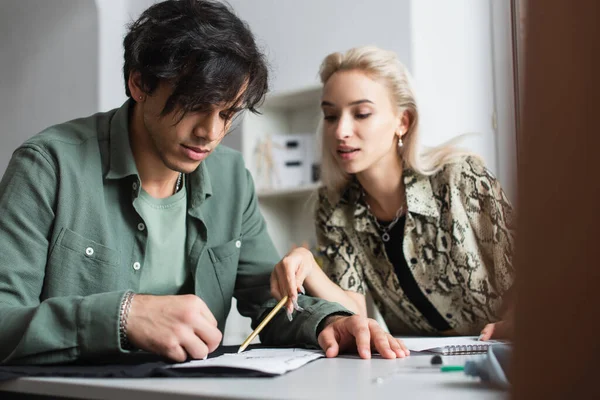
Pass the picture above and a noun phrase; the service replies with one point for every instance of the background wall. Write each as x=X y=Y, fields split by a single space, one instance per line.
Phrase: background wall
x=49 y=63
x=451 y=48
x=298 y=34
x=113 y=16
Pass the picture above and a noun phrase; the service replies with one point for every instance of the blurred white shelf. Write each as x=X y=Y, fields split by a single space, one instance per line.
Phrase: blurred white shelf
x=288 y=192
x=294 y=99
x=288 y=212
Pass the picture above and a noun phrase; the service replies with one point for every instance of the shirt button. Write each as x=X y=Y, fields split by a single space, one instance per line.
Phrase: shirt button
x=137 y=266
x=238 y=243
x=89 y=251
x=141 y=227
x=413 y=260
x=134 y=186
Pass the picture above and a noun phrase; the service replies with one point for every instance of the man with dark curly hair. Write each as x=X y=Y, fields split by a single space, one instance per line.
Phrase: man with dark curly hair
x=132 y=229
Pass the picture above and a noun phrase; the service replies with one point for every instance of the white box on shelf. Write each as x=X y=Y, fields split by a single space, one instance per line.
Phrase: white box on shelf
x=292 y=159
x=290 y=173
x=289 y=146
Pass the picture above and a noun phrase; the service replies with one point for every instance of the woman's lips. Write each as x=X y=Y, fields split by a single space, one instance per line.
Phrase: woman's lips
x=347 y=153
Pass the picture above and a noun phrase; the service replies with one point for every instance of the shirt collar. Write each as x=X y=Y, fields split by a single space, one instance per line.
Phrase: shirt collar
x=419 y=200
x=198 y=184
x=122 y=163
x=419 y=194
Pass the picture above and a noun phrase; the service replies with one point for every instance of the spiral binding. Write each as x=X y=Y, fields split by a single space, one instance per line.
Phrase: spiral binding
x=465 y=349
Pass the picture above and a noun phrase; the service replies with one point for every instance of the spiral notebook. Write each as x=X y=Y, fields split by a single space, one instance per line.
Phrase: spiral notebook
x=449 y=345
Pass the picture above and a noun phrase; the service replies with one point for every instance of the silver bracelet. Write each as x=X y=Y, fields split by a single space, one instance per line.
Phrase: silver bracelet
x=123 y=314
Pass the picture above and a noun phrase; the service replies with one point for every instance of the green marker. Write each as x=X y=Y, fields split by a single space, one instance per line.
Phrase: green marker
x=452 y=368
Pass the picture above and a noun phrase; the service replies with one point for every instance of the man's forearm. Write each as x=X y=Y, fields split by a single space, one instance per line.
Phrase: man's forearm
x=60 y=329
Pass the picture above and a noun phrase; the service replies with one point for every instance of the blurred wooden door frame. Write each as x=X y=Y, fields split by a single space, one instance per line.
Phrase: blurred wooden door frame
x=518 y=10
x=557 y=262
x=504 y=119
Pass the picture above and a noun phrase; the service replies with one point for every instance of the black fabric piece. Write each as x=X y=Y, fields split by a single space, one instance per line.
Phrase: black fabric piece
x=135 y=365
x=29 y=396
x=409 y=285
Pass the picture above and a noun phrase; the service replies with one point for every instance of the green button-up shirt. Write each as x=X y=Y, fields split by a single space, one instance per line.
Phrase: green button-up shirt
x=70 y=246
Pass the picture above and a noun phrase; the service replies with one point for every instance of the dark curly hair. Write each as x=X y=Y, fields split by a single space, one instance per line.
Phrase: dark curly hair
x=202 y=49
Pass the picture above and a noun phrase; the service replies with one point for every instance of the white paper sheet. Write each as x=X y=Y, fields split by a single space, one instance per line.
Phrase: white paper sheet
x=270 y=361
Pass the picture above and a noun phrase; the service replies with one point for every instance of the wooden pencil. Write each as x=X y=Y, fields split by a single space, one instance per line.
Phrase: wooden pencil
x=263 y=323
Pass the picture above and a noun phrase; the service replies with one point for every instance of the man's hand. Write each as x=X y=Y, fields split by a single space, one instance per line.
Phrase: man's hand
x=173 y=326
x=343 y=333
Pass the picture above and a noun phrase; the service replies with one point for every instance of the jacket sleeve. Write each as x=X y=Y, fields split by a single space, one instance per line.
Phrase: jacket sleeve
x=338 y=256
x=57 y=329
x=491 y=217
x=252 y=289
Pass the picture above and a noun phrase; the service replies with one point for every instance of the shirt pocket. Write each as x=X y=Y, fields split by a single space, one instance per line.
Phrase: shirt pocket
x=225 y=259
x=86 y=247
x=216 y=285
x=81 y=266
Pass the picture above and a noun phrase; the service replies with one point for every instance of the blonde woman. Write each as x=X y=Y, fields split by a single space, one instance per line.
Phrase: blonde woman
x=427 y=233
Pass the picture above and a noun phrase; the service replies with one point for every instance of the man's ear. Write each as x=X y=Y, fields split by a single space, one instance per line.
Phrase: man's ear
x=135 y=86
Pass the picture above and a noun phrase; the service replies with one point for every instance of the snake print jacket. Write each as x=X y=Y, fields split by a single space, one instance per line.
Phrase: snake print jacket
x=458 y=244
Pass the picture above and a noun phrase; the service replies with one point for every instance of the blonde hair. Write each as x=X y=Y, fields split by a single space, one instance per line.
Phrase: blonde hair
x=384 y=66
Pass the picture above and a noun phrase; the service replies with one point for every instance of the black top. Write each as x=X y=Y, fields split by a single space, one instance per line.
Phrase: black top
x=395 y=253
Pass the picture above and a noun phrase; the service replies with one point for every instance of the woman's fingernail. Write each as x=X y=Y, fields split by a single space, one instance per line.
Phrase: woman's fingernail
x=481 y=336
x=296 y=306
x=289 y=315
x=302 y=289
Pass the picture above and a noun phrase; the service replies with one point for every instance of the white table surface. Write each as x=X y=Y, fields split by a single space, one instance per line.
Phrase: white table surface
x=346 y=377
